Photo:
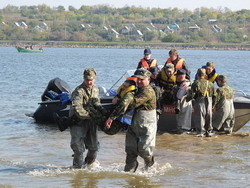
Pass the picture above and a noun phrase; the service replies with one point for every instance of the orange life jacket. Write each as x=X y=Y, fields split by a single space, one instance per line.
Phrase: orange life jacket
x=179 y=64
x=145 y=65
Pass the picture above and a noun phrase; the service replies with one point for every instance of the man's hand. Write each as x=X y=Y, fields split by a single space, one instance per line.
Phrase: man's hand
x=108 y=123
x=115 y=100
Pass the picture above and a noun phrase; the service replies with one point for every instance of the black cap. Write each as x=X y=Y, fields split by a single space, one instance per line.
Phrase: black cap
x=147 y=51
x=181 y=71
x=154 y=70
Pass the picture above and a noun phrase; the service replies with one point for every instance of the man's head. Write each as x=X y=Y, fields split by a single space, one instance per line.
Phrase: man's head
x=181 y=75
x=129 y=82
x=143 y=77
x=209 y=67
x=169 y=69
x=201 y=73
x=147 y=54
x=173 y=54
x=221 y=80
x=154 y=72
x=89 y=76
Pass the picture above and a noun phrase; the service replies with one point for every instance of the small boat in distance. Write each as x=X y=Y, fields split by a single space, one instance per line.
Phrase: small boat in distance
x=29 y=49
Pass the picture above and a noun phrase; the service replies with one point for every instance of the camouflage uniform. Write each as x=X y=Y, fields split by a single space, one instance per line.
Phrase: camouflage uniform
x=223 y=117
x=140 y=138
x=202 y=91
x=85 y=109
x=123 y=105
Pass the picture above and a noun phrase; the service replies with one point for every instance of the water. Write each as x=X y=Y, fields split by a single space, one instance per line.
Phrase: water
x=37 y=155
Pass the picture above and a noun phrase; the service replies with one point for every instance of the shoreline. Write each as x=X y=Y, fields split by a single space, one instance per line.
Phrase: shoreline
x=136 y=45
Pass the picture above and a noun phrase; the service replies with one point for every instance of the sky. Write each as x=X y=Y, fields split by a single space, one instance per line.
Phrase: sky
x=181 y=4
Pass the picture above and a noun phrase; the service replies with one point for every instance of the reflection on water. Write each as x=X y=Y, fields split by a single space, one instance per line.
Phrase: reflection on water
x=38 y=155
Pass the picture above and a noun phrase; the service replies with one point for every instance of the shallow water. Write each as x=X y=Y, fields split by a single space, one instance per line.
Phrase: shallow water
x=38 y=155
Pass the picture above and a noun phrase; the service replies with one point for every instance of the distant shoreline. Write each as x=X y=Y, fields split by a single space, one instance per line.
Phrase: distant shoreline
x=136 y=45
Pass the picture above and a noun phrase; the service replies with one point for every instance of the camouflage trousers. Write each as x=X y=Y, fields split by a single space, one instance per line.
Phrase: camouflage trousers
x=84 y=136
x=224 y=116
x=140 y=138
x=203 y=115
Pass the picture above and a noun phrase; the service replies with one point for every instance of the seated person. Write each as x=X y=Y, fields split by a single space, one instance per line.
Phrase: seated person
x=122 y=101
x=178 y=62
x=167 y=80
x=147 y=62
x=211 y=74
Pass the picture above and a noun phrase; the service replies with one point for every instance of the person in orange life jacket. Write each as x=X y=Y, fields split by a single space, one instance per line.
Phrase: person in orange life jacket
x=211 y=74
x=178 y=62
x=122 y=100
x=167 y=80
x=146 y=62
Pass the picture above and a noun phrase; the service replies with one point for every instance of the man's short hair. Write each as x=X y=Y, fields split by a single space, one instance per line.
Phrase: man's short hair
x=173 y=52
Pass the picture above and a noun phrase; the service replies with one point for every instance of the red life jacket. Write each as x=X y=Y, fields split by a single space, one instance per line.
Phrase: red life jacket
x=145 y=65
x=179 y=64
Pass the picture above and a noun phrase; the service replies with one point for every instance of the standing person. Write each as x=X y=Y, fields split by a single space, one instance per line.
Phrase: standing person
x=202 y=91
x=183 y=108
x=224 y=115
x=140 y=138
x=167 y=80
x=147 y=62
x=177 y=61
x=85 y=109
x=154 y=83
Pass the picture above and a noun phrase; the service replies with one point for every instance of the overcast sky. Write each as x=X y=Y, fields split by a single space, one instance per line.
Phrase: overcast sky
x=182 y=4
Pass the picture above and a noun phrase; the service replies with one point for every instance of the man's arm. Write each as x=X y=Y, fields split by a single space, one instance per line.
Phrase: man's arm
x=78 y=105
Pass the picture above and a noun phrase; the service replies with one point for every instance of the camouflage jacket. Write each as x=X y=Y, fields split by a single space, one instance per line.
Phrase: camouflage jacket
x=145 y=99
x=201 y=88
x=123 y=105
x=86 y=103
x=224 y=93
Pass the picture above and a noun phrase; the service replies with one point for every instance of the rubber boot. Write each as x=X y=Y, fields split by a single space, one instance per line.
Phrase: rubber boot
x=131 y=167
x=78 y=161
x=90 y=158
x=149 y=161
x=131 y=163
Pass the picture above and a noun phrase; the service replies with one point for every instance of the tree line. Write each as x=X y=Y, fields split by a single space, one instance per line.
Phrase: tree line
x=98 y=23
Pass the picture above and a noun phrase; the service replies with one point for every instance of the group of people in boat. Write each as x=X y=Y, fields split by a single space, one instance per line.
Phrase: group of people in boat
x=144 y=95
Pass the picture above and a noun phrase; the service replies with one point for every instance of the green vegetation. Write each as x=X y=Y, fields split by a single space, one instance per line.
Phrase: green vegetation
x=124 y=25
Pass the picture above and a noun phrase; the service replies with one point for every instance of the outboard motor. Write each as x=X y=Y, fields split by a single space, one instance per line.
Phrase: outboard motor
x=55 y=86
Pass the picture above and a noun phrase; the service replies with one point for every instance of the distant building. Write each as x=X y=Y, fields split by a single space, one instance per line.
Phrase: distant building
x=113 y=33
x=17 y=24
x=212 y=21
x=38 y=28
x=216 y=29
x=105 y=28
x=125 y=30
x=24 y=25
x=45 y=26
x=174 y=27
x=194 y=28
x=168 y=30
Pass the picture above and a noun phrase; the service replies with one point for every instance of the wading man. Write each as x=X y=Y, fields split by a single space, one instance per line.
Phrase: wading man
x=85 y=109
x=140 y=138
